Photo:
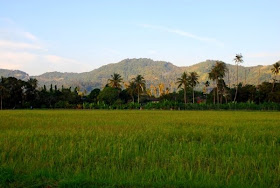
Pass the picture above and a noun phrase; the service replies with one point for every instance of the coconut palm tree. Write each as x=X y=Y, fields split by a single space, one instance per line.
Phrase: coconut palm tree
x=193 y=80
x=131 y=89
x=238 y=60
x=275 y=70
x=140 y=85
x=115 y=81
x=218 y=72
x=183 y=81
x=206 y=85
x=212 y=76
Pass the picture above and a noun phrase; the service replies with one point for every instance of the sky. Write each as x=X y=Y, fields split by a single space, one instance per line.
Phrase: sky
x=79 y=36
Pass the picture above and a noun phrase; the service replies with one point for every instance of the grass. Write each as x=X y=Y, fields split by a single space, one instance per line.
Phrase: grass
x=69 y=148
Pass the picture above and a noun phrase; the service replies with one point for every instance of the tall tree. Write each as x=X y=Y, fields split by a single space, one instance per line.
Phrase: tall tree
x=212 y=76
x=109 y=95
x=33 y=82
x=183 y=81
x=31 y=91
x=140 y=85
x=92 y=97
x=115 y=81
x=218 y=72
x=238 y=60
x=131 y=89
x=4 y=92
x=275 y=70
x=206 y=85
x=193 y=81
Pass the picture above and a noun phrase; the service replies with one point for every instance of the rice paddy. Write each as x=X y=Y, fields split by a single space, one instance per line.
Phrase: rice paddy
x=95 y=148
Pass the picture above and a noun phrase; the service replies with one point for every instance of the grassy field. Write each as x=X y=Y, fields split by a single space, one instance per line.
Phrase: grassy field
x=139 y=149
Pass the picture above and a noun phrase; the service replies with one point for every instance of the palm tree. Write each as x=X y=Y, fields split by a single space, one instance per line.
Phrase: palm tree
x=132 y=89
x=223 y=90
x=206 y=85
x=275 y=70
x=193 y=80
x=115 y=81
x=33 y=82
x=140 y=85
x=183 y=81
x=238 y=59
x=218 y=72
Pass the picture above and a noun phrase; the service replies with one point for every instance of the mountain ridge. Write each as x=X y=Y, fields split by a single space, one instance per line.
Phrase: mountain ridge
x=155 y=73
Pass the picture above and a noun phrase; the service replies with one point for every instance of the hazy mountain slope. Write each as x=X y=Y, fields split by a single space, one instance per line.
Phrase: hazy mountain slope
x=252 y=73
x=155 y=73
x=14 y=73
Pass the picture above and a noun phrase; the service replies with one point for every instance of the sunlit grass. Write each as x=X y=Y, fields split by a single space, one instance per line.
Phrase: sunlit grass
x=139 y=148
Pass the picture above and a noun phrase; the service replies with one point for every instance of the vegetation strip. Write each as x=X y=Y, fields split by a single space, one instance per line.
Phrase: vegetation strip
x=70 y=148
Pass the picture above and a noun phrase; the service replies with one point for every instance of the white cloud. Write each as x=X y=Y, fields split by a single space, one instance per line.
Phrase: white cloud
x=6 y=44
x=183 y=33
x=35 y=64
x=15 y=60
x=24 y=51
x=29 y=36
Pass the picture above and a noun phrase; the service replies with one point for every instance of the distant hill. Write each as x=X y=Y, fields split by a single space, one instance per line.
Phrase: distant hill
x=14 y=73
x=154 y=72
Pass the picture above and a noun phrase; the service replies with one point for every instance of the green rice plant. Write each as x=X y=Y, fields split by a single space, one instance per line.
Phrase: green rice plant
x=139 y=148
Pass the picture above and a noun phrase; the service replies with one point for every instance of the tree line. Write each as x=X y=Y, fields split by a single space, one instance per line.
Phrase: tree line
x=16 y=93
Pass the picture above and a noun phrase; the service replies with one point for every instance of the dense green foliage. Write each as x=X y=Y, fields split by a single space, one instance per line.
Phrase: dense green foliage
x=154 y=72
x=139 y=149
x=16 y=94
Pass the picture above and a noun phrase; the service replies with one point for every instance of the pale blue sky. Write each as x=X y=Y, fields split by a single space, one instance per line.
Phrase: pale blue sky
x=76 y=36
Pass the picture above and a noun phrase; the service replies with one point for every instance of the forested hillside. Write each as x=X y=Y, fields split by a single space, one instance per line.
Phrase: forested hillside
x=154 y=72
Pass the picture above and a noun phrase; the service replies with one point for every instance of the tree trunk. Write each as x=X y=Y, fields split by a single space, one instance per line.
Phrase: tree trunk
x=132 y=99
x=138 y=96
x=236 y=83
x=185 y=95
x=273 y=84
x=217 y=91
x=193 y=95
x=214 y=100
x=226 y=100
x=1 y=103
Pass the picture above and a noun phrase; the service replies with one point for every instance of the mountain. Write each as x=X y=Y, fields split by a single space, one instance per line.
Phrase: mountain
x=14 y=73
x=154 y=72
